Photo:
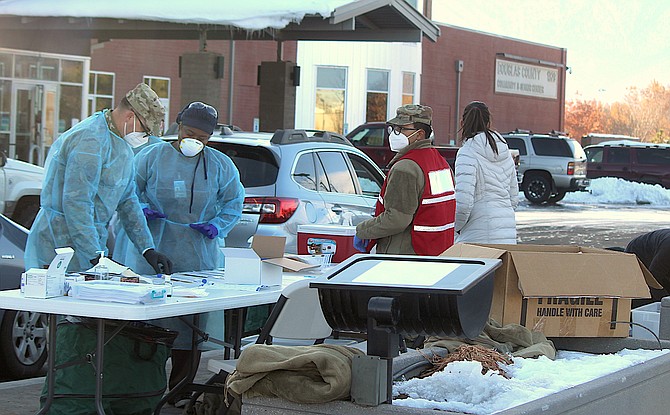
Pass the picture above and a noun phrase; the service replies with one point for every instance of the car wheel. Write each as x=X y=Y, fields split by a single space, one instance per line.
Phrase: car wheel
x=557 y=197
x=537 y=189
x=23 y=343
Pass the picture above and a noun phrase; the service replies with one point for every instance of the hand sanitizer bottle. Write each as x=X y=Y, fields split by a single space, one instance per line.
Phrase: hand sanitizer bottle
x=101 y=271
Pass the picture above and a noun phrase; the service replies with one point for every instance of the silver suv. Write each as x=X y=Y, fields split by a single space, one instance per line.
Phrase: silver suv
x=551 y=165
x=296 y=177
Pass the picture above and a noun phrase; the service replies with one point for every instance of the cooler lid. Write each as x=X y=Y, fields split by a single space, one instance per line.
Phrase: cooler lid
x=336 y=230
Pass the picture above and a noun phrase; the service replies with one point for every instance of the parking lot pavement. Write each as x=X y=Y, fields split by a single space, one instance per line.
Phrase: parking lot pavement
x=22 y=397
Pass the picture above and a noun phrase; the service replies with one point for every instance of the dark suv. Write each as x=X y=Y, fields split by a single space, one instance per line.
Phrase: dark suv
x=551 y=165
x=630 y=160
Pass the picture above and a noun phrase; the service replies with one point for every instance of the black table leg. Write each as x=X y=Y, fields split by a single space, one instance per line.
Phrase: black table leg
x=51 y=364
x=99 y=351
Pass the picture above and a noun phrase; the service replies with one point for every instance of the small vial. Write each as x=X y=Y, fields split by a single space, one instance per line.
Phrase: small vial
x=168 y=285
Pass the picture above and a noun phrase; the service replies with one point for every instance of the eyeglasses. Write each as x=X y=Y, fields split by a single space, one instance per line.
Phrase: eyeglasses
x=200 y=106
x=144 y=127
x=397 y=129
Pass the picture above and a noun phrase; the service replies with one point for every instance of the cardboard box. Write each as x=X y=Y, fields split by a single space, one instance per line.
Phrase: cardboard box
x=46 y=283
x=563 y=291
x=262 y=264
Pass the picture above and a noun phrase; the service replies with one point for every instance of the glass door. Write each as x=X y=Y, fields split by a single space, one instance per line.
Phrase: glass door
x=34 y=121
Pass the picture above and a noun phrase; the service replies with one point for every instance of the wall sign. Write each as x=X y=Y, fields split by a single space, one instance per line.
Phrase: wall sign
x=523 y=79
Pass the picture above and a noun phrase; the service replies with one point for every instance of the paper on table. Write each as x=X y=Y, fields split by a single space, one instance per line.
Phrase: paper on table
x=118 y=292
x=244 y=287
x=114 y=268
x=189 y=292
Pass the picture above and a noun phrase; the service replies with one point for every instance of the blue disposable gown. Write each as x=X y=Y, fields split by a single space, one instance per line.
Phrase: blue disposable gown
x=115 y=227
x=165 y=180
x=89 y=174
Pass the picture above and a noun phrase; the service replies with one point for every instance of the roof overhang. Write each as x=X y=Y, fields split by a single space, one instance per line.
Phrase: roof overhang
x=362 y=20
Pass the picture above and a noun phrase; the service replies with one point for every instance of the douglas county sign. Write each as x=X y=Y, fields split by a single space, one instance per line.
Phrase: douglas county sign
x=522 y=79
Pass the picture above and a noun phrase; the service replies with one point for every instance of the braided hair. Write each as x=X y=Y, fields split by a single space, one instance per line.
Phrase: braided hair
x=477 y=119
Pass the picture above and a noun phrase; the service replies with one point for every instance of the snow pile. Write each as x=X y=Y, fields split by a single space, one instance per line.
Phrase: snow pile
x=462 y=388
x=249 y=14
x=615 y=191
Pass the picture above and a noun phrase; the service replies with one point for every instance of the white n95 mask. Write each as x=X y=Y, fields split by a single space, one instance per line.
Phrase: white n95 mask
x=136 y=139
x=190 y=147
x=399 y=141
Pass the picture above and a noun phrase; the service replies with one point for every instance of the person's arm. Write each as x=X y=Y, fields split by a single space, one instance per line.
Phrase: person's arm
x=404 y=187
x=660 y=265
x=80 y=185
x=230 y=197
x=464 y=189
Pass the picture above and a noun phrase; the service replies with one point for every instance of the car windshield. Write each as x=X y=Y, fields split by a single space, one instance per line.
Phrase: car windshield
x=257 y=165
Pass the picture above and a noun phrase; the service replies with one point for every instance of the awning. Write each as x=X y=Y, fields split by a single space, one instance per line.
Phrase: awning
x=364 y=20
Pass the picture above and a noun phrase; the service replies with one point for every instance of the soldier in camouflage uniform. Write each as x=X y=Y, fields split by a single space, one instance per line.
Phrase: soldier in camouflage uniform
x=89 y=176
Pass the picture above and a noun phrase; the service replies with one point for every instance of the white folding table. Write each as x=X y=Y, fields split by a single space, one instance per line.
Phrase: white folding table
x=218 y=300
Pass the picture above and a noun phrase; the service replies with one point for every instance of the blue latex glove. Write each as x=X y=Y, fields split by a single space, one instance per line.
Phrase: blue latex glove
x=361 y=244
x=152 y=214
x=206 y=229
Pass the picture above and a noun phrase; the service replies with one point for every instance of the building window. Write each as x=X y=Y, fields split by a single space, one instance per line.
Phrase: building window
x=407 y=88
x=73 y=71
x=100 y=91
x=377 y=96
x=331 y=87
x=162 y=88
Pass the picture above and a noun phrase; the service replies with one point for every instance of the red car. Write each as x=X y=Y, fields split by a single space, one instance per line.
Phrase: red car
x=630 y=160
x=373 y=140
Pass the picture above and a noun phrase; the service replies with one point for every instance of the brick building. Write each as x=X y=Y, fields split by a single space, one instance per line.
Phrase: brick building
x=540 y=106
x=49 y=84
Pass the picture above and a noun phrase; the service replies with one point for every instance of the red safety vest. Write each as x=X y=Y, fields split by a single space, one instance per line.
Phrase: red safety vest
x=433 y=224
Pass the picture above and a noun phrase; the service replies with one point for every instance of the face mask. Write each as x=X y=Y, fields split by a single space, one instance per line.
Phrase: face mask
x=399 y=141
x=136 y=139
x=190 y=147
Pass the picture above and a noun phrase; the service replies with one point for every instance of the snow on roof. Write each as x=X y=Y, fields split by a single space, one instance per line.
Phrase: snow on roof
x=247 y=14
x=629 y=143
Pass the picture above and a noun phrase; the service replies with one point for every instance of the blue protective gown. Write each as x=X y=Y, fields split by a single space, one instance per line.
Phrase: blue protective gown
x=89 y=174
x=166 y=180
x=115 y=227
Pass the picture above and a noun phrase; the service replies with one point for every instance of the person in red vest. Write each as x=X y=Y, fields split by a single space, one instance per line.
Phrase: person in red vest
x=416 y=208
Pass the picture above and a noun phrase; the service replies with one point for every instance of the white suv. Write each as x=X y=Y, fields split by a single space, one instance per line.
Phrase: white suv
x=551 y=165
x=296 y=177
x=20 y=188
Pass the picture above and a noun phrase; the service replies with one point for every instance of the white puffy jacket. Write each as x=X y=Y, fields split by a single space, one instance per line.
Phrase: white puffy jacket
x=486 y=192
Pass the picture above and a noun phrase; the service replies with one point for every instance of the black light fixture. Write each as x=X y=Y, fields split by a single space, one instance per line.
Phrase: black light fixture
x=390 y=295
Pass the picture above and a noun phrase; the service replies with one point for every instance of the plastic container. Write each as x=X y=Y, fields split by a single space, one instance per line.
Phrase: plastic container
x=337 y=240
x=649 y=316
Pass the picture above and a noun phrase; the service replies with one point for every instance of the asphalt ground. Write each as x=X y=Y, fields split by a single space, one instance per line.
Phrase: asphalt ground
x=22 y=397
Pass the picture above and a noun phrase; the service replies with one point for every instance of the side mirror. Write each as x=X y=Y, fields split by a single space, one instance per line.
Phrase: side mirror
x=3 y=159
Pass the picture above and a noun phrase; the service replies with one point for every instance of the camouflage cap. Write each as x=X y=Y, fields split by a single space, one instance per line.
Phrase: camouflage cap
x=411 y=113
x=147 y=105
